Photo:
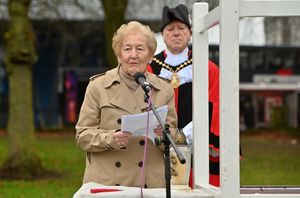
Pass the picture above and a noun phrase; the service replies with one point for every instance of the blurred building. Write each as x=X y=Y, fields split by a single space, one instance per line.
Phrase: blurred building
x=71 y=48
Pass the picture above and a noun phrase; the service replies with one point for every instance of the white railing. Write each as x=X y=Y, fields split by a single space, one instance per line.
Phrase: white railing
x=227 y=16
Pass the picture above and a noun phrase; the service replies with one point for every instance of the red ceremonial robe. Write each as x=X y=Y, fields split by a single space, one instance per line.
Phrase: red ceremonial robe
x=183 y=102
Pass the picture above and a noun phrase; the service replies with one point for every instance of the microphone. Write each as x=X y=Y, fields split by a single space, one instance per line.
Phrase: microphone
x=140 y=79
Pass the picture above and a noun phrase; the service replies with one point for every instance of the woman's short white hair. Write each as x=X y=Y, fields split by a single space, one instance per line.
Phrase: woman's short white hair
x=133 y=27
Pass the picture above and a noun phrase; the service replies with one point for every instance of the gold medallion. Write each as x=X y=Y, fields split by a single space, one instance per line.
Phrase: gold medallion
x=175 y=80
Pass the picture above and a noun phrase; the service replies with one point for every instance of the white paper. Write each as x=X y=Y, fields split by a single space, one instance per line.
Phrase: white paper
x=137 y=123
x=188 y=131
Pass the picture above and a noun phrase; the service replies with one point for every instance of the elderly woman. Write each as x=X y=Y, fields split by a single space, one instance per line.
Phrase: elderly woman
x=115 y=157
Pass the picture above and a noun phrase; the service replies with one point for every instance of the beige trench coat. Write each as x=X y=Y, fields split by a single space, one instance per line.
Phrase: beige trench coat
x=107 y=98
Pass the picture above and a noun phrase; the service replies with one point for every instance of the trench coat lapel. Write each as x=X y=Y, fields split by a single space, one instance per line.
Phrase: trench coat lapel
x=134 y=103
x=128 y=103
x=140 y=95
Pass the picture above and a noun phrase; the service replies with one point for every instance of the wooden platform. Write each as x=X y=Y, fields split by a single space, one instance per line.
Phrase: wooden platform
x=135 y=192
x=270 y=190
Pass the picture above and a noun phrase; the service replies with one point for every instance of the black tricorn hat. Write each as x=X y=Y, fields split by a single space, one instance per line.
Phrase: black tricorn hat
x=179 y=13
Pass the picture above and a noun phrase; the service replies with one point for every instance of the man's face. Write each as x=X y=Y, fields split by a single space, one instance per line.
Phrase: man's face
x=176 y=35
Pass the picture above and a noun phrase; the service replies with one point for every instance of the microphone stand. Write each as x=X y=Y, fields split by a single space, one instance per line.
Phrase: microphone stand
x=167 y=140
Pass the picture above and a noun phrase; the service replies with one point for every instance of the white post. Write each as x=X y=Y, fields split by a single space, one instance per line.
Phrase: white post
x=229 y=99
x=200 y=98
x=227 y=15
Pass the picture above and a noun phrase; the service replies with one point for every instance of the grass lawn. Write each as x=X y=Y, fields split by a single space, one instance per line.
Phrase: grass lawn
x=268 y=160
x=58 y=153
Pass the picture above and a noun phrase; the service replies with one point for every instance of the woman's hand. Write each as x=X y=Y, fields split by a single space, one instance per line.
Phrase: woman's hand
x=121 y=138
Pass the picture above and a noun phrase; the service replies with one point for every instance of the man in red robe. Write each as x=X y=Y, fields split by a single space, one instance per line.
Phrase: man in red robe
x=175 y=64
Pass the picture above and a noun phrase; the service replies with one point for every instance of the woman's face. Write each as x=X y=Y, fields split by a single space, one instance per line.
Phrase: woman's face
x=176 y=35
x=134 y=54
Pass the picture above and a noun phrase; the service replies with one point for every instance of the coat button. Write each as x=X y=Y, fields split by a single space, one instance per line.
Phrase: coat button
x=142 y=142
x=119 y=121
x=118 y=164
x=140 y=164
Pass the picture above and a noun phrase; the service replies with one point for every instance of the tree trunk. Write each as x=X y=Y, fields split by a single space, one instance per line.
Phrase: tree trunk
x=22 y=161
x=114 y=17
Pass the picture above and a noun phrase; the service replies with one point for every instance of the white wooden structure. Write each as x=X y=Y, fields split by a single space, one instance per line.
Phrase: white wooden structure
x=227 y=15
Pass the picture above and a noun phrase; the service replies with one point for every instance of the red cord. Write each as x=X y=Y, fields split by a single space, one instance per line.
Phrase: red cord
x=100 y=190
